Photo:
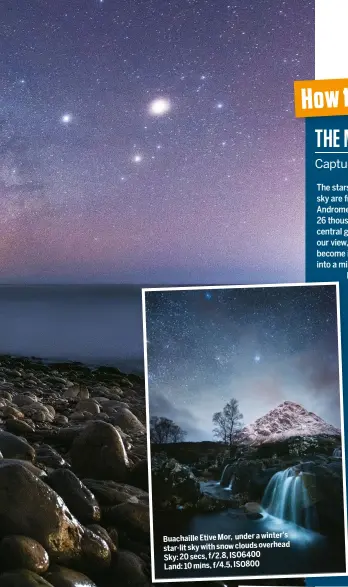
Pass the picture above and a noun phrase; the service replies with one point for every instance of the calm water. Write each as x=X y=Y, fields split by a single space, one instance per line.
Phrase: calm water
x=92 y=324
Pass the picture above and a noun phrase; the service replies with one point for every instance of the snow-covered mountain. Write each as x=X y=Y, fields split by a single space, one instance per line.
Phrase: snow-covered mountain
x=288 y=419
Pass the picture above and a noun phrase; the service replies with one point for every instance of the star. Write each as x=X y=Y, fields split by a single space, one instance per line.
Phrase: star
x=208 y=295
x=66 y=118
x=137 y=158
x=219 y=105
x=257 y=358
x=159 y=106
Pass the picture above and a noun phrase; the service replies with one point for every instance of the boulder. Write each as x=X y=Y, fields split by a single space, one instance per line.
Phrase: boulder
x=109 y=493
x=31 y=508
x=98 y=452
x=22 y=552
x=19 y=426
x=126 y=420
x=23 y=399
x=173 y=481
x=131 y=517
x=79 y=499
x=88 y=405
x=62 y=577
x=13 y=447
x=129 y=570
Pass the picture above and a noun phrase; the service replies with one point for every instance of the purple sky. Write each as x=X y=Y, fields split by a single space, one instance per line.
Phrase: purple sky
x=94 y=186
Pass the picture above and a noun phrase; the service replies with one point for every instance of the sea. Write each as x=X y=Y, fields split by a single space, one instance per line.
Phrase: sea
x=93 y=324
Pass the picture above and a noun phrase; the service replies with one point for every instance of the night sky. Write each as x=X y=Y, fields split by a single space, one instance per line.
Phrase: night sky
x=261 y=346
x=152 y=141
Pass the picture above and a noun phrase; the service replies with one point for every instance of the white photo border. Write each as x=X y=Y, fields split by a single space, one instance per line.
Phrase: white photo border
x=339 y=343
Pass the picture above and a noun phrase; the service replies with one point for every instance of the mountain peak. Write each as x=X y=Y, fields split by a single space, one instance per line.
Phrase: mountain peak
x=286 y=420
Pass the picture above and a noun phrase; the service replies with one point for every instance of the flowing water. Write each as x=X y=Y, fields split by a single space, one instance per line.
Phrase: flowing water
x=287 y=497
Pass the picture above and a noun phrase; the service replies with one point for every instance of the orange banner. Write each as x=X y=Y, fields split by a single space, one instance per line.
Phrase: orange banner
x=321 y=98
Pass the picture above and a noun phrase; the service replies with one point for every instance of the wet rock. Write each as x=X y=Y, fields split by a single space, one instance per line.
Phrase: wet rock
x=21 y=399
x=88 y=405
x=139 y=475
x=96 y=553
x=38 y=412
x=13 y=447
x=46 y=455
x=23 y=578
x=63 y=577
x=31 y=508
x=80 y=416
x=133 y=517
x=26 y=464
x=171 y=479
x=5 y=394
x=79 y=499
x=98 y=452
x=253 y=510
x=126 y=420
x=11 y=411
x=71 y=392
x=129 y=570
x=19 y=426
x=112 y=542
x=51 y=410
x=22 y=552
x=61 y=419
x=109 y=493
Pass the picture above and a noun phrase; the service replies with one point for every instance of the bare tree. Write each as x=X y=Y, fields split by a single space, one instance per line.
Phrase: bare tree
x=163 y=431
x=228 y=422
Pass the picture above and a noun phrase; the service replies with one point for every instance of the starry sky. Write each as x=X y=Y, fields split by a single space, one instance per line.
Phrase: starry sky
x=262 y=346
x=151 y=141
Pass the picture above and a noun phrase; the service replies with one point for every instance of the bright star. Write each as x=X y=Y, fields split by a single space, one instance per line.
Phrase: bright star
x=257 y=358
x=66 y=118
x=137 y=158
x=219 y=105
x=159 y=107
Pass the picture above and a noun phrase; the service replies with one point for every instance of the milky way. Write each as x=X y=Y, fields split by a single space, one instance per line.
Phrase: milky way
x=261 y=346
x=152 y=141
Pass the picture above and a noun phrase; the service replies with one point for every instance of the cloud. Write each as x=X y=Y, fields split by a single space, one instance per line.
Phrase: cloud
x=161 y=406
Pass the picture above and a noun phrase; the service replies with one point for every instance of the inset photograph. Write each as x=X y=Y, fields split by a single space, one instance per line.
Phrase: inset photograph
x=245 y=432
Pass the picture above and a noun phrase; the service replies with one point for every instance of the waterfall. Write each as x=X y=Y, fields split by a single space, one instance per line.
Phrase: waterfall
x=286 y=497
x=227 y=477
x=222 y=475
x=230 y=485
x=337 y=453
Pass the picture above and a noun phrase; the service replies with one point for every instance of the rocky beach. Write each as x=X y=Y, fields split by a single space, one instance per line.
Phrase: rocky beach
x=73 y=477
